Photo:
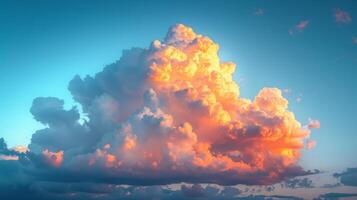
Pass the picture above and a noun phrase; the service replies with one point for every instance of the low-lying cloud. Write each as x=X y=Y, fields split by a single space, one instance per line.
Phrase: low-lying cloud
x=348 y=177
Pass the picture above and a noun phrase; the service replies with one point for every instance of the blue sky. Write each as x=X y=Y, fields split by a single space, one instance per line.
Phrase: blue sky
x=44 y=44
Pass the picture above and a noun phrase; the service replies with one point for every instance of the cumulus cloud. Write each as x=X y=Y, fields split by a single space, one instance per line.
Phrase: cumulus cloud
x=342 y=17
x=300 y=27
x=168 y=113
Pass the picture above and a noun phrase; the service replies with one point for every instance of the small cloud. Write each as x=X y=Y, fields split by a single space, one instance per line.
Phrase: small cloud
x=313 y=123
x=259 y=12
x=342 y=17
x=8 y=157
x=298 y=99
x=300 y=27
x=297 y=183
x=354 y=40
x=286 y=91
x=20 y=149
x=310 y=144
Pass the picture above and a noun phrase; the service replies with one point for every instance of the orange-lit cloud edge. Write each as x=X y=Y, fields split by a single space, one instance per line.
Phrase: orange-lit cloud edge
x=167 y=114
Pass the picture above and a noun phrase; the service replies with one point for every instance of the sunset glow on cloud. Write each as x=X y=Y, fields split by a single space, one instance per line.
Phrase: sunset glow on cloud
x=300 y=27
x=178 y=100
x=167 y=114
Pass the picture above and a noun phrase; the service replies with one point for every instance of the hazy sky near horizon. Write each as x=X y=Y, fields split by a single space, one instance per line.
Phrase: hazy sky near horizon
x=304 y=48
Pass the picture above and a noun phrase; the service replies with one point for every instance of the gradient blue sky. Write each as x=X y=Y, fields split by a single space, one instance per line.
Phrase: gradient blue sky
x=43 y=44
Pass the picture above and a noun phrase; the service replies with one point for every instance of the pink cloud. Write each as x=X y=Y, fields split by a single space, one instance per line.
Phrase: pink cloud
x=342 y=17
x=310 y=144
x=300 y=27
x=313 y=123
x=20 y=149
x=8 y=157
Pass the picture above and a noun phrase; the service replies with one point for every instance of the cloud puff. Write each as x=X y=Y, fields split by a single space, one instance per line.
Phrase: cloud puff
x=313 y=123
x=259 y=12
x=354 y=40
x=300 y=27
x=342 y=17
x=348 y=177
x=166 y=114
x=310 y=144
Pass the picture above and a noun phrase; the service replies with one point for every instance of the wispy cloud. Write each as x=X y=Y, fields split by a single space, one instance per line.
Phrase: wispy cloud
x=300 y=27
x=354 y=40
x=342 y=17
x=259 y=12
x=286 y=91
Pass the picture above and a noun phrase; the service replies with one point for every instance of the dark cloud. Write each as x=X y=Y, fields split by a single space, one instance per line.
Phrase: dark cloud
x=270 y=188
x=3 y=146
x=269 y=197
x=195 y=190
x=348 y=177
x=335 y=196
x=328 y=185
x=63 y=131
x=91 y=191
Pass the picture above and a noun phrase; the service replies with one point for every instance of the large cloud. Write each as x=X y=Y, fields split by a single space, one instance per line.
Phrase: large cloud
x=166 y=114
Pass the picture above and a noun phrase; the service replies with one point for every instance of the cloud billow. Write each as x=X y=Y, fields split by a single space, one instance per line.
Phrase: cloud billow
x=167 y=114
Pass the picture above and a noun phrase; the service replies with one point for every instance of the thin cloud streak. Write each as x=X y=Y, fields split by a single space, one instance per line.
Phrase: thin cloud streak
x=300 y=27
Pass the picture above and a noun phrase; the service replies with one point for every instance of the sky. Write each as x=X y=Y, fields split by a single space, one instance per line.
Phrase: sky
x=307 y=49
